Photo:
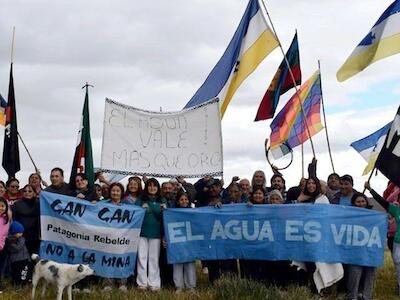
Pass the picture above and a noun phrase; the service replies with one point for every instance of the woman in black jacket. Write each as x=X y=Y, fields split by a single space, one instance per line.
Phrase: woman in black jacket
x=26 y=211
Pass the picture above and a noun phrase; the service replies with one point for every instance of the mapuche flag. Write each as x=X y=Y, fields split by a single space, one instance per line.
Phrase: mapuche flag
x=281 y=83
x=388 y=161
x=11 y=150
x=83 y=158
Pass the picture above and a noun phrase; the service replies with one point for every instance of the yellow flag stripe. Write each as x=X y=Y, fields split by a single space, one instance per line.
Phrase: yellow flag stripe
x=358 y=62
x=249 y=62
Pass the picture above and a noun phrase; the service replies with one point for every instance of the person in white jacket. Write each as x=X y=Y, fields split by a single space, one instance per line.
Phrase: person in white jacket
x=325 y=274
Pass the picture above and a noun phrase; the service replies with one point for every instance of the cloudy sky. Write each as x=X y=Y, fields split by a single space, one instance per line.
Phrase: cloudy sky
x=153 y=54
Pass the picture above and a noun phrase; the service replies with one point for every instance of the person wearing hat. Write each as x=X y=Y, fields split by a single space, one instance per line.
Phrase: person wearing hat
x=217 y=268
x=17 y=255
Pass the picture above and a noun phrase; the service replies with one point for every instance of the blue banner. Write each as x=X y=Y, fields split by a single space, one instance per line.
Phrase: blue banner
x=301 y=232
x=103 y=235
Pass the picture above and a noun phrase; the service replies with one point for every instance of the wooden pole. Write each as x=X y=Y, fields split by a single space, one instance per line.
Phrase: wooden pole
x=29 y=154
x=369 y=178
x=292 y=77
x=325 y=122
x=302 y=161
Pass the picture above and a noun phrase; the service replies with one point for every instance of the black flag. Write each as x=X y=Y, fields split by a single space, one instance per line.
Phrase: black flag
x=11 y=150
x=388 y=161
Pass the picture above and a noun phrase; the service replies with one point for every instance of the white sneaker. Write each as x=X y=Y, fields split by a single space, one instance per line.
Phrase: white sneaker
x=142 y=287
x=205 y=270
x=107 y=288
x=76 y=290
x=154 y=288
x=123 y=288
x=178 y=291
x=86 y=291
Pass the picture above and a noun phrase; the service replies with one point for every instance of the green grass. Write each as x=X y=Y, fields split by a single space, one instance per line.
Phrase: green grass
x=226 y=288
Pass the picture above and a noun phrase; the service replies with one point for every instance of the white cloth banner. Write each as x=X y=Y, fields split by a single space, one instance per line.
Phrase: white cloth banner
x=162 y=144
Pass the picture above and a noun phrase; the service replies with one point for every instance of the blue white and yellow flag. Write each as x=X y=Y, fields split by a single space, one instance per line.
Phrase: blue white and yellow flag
x=251 y=43
x=370 y=146
x=382 y=40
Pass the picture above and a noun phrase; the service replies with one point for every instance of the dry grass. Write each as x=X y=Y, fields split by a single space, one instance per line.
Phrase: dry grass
x=226 y=288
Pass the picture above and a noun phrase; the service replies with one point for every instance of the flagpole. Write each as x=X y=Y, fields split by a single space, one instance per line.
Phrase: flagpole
x=323 y=113
x=302 y=161
x=12 y=45
x=369 y=178
x=19 y=136
x=292 y=77
x=29 y=154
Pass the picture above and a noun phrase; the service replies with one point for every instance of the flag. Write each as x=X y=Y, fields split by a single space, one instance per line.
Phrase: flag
x=382 y=40
x=11 y=150
x=251 y=43
x=370 y=146
x=3 y=106
x=288 y=129
x=388 y=161
x=281 y=83
x=83 y=158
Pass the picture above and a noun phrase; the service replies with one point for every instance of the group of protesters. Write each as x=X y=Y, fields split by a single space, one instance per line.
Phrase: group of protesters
x=20 y=226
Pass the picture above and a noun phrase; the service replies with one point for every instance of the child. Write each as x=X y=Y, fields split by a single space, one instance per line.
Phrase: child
x=18 y=255
x=360 y=277
x=185 y=273
x=4 y=227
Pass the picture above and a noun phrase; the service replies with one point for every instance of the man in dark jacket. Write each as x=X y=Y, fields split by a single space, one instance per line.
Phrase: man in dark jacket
x=58 y=186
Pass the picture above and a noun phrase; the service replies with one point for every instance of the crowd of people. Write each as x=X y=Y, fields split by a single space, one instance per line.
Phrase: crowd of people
x=20 y=226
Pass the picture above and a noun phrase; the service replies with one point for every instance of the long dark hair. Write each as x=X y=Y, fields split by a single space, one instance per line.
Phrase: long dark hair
x=315 y=194
x=138 y=181
x=356 y=195
x=146 y=195
x=179 y=195
x=6 y=212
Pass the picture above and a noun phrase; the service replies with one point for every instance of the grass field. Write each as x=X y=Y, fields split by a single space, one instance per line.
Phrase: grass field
x=226 y=288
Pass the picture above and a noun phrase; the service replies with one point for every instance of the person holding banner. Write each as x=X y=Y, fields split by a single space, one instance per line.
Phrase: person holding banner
x=148 y=269
x=324 y=274
x=184 y=274
x=82 y=189
x=257 y=196
x=394 y=211
x=360 y=278
x=133 y=189
x=234 y=194
x=217 y=268
x=116 y=193
x=251 y=268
